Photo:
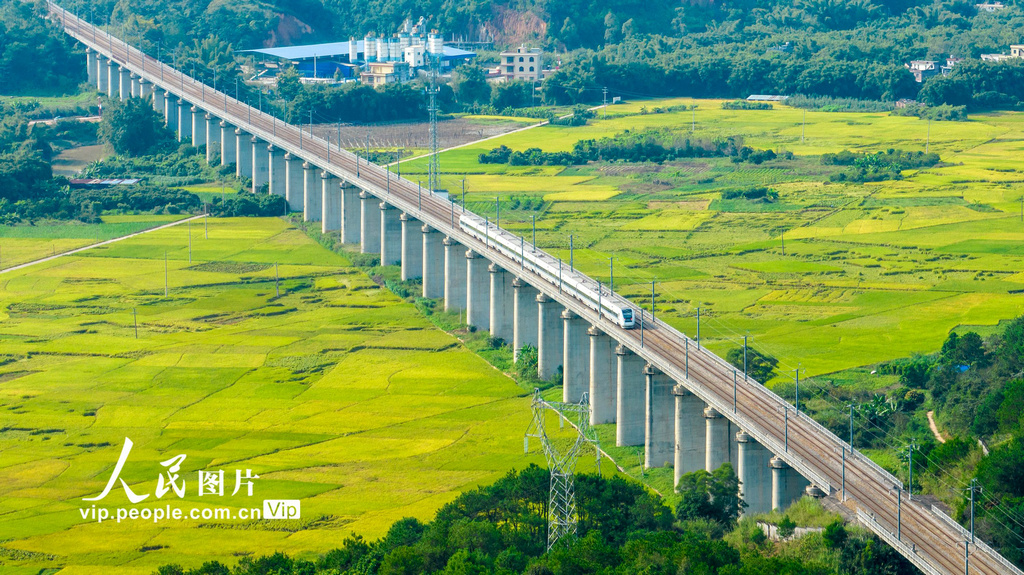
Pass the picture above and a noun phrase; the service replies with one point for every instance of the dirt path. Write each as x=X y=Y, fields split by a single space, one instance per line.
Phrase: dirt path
x=935 y=428
x=103 y=243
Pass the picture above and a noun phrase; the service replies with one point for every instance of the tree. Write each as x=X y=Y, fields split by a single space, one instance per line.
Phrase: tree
x=134 y=128
x=786 y=527
x=470 y=85
x=512 y=94
x=713 y=496
x=759 y=366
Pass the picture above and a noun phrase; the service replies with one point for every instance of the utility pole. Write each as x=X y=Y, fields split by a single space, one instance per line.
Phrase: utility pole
x=928 y=138
x=851 y=425
x=652 y=300
x=910 y=464
x=534 y=233
x=844 y=472
x=797 y=371
x=570 y=253
x=611 y=274
x=698 y=327
x=497 y=212
x=899 y=513
x=463 y=195
x=974 y=487
x=783 y=236
x=744 y=358
x=604 y=92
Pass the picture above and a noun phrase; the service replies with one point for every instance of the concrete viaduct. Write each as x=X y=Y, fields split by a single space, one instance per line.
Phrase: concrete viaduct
x=688 y=408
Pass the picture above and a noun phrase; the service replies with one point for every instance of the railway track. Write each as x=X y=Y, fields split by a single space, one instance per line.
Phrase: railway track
x=928 y=540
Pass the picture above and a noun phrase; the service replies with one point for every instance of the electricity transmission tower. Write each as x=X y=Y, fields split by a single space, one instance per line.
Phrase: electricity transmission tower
x=434 y=166
x=562 y=454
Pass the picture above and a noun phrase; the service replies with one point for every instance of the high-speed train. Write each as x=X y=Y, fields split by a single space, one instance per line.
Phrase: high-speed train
x=575 y=284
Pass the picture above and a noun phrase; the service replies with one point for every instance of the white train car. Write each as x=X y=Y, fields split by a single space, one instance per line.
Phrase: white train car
x=575 y=284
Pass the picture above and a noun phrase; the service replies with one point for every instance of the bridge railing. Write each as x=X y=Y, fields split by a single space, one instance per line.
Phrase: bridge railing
x=762 y=435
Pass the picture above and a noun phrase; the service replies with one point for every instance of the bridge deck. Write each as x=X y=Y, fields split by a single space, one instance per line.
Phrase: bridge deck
x=927 y=539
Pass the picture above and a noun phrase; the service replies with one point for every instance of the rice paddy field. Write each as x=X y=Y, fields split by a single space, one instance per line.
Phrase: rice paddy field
x=26 y=243
x=829 y=277
x=332 y=390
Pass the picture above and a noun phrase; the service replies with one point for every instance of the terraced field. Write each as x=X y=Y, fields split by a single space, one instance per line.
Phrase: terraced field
x=334 y=392
x=829 y=277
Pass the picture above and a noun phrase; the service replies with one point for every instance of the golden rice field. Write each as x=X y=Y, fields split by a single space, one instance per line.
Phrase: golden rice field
x=334 y=391
x=868 y=272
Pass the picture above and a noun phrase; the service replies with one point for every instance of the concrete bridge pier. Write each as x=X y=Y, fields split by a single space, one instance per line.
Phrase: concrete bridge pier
x=124 y=86
x=478 y=291
x=787 y=485
x=228 y=144
x=691 y=441
x=412 y=247
x=278 y=172
x=603 y=372
x=261 y=166
x=102 y=74
x=524 y=316
x=433 y=263
x=718 y=440
x=754 y=473
x=454 y=275
x=659 y=419
x=575 y=357
x=145 y=88
x=350 y=214
x=550 y=336
x=312 y=191
x=199 y=127
x=158 y=100
x=212 y=139
x=135 y=85
x=113 y=86
x=90 y=66
x=184 y=121
x=390 y=235
x=369 y=224
x=171 y=111
x=330 y=203
x=243 y=155
x=293 y=182
x=629 y=400
x=501 y=304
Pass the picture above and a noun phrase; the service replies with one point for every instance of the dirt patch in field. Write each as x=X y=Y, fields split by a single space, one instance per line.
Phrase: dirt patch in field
x=454 y=132
x=690 y=205
x=73 y=160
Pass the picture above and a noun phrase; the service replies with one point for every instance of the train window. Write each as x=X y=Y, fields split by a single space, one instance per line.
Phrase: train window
x=627 y=313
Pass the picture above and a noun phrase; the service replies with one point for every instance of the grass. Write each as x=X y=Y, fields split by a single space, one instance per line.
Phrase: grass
x=829 y=277
x=336 y=393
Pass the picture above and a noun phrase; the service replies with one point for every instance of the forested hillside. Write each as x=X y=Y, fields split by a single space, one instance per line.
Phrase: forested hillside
x=694 y=48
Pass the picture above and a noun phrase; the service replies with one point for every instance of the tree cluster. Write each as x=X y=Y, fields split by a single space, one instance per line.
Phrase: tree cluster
x=623 y=529
x=877 y=166
x=650 y=145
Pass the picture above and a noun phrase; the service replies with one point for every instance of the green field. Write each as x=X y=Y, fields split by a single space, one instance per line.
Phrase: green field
x=25 y=243
x=870 y=271
x=336 y=393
